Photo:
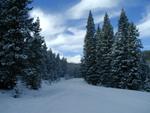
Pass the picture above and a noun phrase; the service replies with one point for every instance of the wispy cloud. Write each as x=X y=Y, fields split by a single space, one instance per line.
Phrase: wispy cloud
x=144 y=25
x=71 y=43
x=80 y=10
x=50 y=24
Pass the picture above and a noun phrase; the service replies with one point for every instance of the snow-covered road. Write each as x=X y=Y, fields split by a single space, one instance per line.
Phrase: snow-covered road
x=75 y=96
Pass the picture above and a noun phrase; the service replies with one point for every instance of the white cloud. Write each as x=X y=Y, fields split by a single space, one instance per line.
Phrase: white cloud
x=50 y=24
x=144 y=25
x=74 y=59
x=58 y=40
x=80 y=9
x=69 y=42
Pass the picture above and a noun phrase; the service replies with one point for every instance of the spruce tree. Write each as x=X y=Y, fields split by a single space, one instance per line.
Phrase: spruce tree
x=44 y=65
x=98 y=37
x=63 y=67
x=145 y=71
x=58 y=67
x=127 y=55
x=89 y=58
x=134 y=56
x=34 y=61
x=104 y=48
x=120 y=60
x=16 y=26
x=83 y=68
x=4 y=78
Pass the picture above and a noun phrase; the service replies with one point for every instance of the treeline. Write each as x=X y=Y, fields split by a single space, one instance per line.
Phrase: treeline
x=23 y=52
x=73 y=71
x=114 y=59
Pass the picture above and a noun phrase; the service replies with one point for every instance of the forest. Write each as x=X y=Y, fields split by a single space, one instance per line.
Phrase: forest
x=41 y=72
x=110 y=59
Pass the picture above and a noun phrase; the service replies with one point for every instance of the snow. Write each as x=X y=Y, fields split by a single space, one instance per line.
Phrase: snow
x=75 y=96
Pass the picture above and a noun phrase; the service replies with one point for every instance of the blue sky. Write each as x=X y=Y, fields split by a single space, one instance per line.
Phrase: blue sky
x=63 y=21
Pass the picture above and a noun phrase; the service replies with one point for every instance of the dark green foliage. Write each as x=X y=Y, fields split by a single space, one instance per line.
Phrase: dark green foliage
x=145 y=71
x=104 y=48
x=63 y=66
x=83 y=68
x=120 y=52
x=89 y=59
x=55 y=67
x=16 y=27
x=117 y=56
x=43 y=67
x=126 y=56
x=134 y=59
x=34 y=60
x=73 y=71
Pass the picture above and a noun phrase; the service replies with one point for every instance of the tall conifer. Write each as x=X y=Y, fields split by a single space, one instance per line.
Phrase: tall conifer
x=17 y=25
x=104 y=48
x=89 y=58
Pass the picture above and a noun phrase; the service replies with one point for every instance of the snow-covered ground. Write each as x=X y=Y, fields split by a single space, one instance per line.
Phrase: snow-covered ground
x=75 y=96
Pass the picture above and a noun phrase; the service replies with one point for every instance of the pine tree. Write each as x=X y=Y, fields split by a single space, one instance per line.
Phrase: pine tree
x=53 y=66
x=58 y=67
x=89 y=58
x=98 y=37
x=127 y=55
x=120 y=60
x=117 y=54
x=4 y=78
x=63 y=67
x=145 y=72
x=134 y=56
x=83 y=68
x=34 y=61
x=44 y=65
x=50 y=66
x=16 y=26
x=104 y=48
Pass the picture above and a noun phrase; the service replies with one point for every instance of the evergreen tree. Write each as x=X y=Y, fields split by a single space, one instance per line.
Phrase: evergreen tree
x=117 y=56
x=63 y=67
x=4 y=78
x=98 y=37
x=51 y=66
x=127 y=56
x=89 y=58
x=16 y=26
x=120 y=60
x=56 y=67
x=44 y=65
x=134 y=56
x=83 y=68
x=145 y=72
x=34 y=61
x=104 y=48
